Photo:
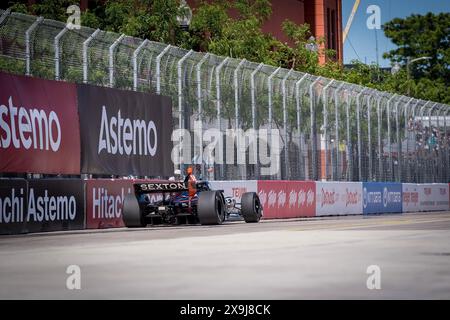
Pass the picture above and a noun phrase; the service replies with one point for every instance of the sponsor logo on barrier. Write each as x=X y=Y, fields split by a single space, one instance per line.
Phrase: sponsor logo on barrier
x=278 y=199
x=391 y=197
x=328 y=197
x=287 y=199
x=281 y=198
x=12 y=207
x=36 y=129
x=272 y=198
x=132 y=132
x=292 y=198
x=238 y=192
x=51 y=208
x=105 y=205
x=174 y=186
x=129 y=137
x=235 y=189
x=351 y=197
x=310 y=198
x=381 y=197
x=39 y=130
x=302 y=198
x=411 y=197
x=374 y=197
x=339 y=198
x=40 y=208
x=262 y=197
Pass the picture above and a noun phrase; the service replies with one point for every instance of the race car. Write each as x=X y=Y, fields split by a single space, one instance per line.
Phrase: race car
x=171 y=202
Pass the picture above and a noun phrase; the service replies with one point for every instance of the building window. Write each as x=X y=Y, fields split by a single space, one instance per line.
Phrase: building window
x=328 y=28
x=333 y=30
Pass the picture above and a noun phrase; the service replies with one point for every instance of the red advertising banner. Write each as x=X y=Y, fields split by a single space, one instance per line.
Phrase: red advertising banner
x=39 y=126
x=104 y=202
x=287 y=199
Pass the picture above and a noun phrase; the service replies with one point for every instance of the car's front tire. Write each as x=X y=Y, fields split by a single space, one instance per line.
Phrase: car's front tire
x=251 y=209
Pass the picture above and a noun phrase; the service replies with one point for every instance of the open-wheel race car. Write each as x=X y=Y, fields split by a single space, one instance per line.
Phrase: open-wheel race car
x=171 y=202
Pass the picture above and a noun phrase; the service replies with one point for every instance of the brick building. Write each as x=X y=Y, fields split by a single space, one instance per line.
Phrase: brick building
x=324 y=17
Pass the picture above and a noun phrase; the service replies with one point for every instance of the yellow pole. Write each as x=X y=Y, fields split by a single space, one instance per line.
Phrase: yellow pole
x=350 y=19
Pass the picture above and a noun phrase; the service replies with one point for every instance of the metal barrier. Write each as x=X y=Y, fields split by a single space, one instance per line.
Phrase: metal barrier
x=330 y=130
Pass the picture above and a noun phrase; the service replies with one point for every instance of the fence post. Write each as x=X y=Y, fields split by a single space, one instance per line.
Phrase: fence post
x=358 y=129
x=111 y=59
x=380 y=148
x=430 y=147
x=408 y=165
x=56 y=46
x=286 y=144
x=369 y=135
x=180 y=99
x=399 y=143
x=337 y=174
x=440 y=161
x=269 y=99
x=388 y=111
x=421 y=160
x=253 y=97
x=446 y=144
x=299 y=122
x=325 y=125
x=199 y=98
x=349 y=140
x=312 y=109
x=236 y=115
x=135 y=64
x=270 y=105
x=85 y=56
x=198 y=69
x=27 y=43
x=219 y=110
x=158 y=68
x=416 y=158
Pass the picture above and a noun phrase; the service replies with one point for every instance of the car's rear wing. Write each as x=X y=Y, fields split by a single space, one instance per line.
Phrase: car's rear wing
x=160 y=187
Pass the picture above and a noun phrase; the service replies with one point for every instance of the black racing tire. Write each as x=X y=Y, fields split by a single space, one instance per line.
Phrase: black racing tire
x=210 y=208
x=251 y=209
x=131 y=213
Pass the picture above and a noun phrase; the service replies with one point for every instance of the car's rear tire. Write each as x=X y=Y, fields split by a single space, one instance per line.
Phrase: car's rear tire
x=131 y=213
x=251 y=209
x=210 y=207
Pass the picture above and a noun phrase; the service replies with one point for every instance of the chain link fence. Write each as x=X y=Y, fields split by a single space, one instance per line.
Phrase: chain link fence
x=329 y=130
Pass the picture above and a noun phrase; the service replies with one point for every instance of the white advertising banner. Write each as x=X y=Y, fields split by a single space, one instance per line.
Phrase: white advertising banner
x=425 y=197
x=338 y=198
x=236 y=188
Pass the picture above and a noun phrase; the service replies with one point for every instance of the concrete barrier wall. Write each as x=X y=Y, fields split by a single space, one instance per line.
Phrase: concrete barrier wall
x=381 y=197
x=425 y=197
x=41 y=205
x=338 y=198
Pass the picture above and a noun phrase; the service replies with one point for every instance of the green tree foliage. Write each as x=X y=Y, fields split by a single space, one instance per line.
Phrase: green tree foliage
x=234 y=28
x=419 y=36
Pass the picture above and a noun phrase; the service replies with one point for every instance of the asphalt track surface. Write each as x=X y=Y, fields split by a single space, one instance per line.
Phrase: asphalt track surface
x=316 y=258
